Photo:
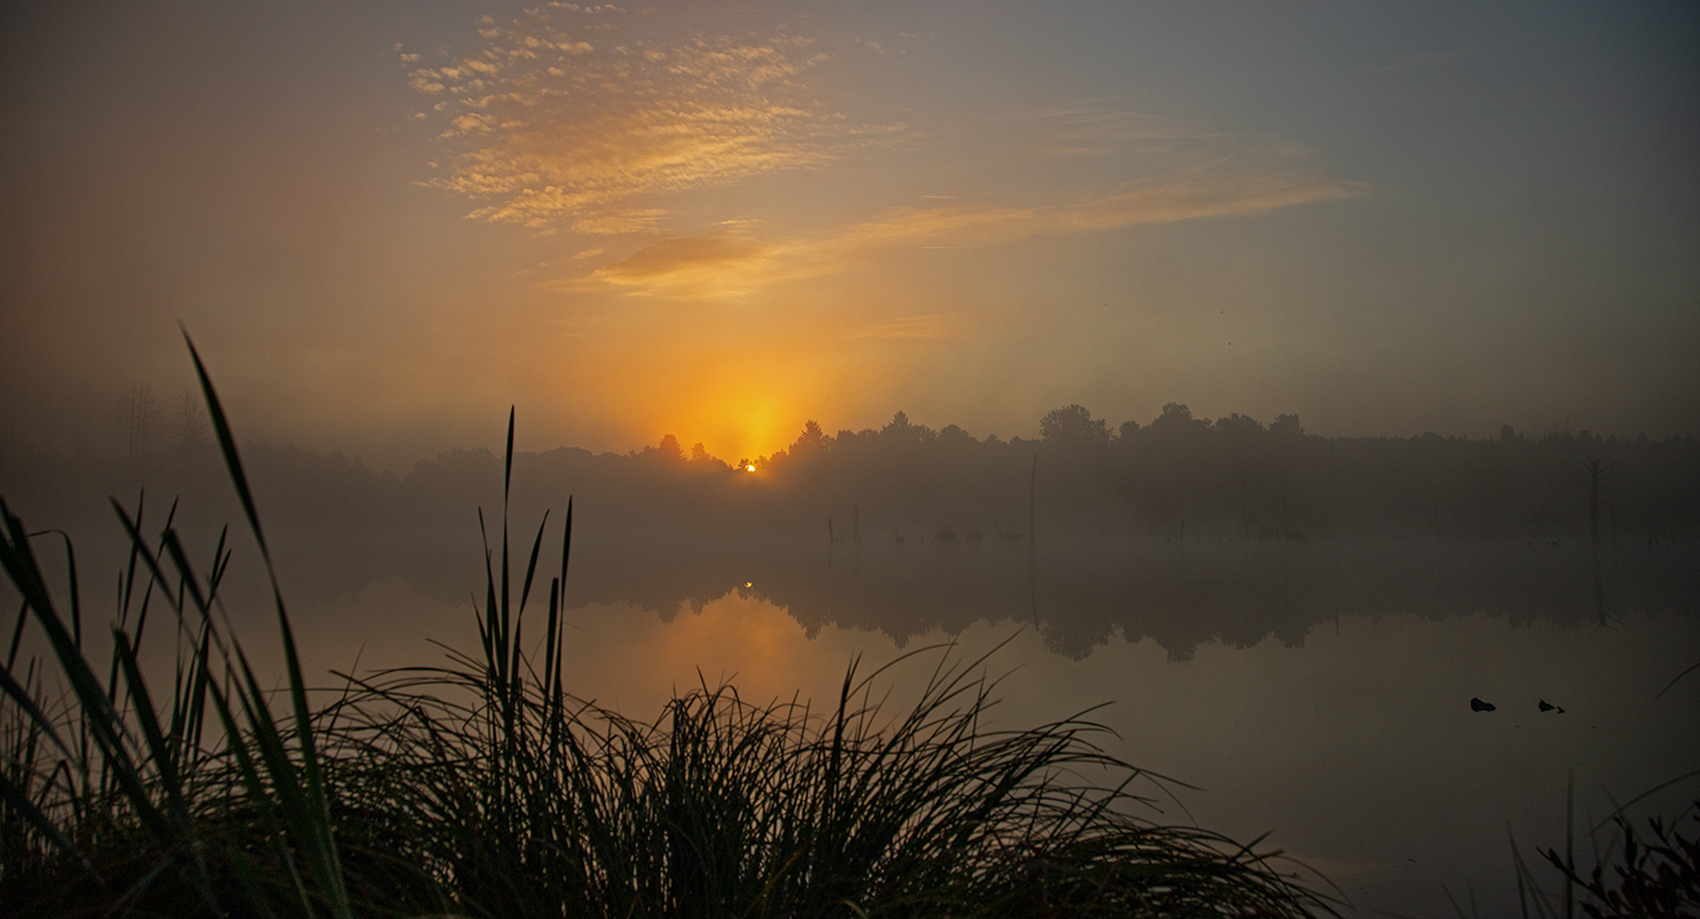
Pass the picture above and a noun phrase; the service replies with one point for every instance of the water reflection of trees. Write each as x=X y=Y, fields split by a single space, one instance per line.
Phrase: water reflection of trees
x=1081 y=593
x=1184 y=530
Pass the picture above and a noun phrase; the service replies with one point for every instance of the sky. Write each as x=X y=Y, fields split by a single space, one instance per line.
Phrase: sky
x=386 y=222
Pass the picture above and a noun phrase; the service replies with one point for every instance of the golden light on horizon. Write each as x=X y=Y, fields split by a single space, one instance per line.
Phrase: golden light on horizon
x=742 y=392
x=750 y=468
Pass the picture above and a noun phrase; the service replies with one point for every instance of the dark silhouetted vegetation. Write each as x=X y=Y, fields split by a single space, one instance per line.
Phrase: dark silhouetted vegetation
x=484 y=788
x=1185 y=530
x=1655 y=874
x=1231 y=478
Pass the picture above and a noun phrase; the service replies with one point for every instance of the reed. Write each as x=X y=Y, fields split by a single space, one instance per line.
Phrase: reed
x=482 y=787
x=112 y=800
x=1651 y=871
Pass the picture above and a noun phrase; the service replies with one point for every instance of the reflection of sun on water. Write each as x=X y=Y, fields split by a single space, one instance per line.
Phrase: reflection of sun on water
x=737 y=638
x=1328 y=744
x=630 y=659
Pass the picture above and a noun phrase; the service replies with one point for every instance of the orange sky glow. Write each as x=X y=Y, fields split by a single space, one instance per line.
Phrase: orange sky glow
x=386 y=225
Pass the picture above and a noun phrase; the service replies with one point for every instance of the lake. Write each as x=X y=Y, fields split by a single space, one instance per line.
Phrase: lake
x=1316 y=692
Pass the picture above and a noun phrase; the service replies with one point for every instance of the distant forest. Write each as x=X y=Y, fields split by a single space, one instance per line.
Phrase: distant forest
x=1176 y=478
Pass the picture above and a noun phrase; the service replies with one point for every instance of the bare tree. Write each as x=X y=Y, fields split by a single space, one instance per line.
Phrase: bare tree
x=135 y=420
x=189 y=423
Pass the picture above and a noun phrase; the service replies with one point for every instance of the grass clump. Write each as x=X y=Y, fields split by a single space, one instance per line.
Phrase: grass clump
x=481 y=787
x=1651 y=873
x=1656 y=873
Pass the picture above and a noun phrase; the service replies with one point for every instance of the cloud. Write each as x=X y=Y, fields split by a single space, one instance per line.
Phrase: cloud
x=1187 y=195
x=576 y=117
x=693 y=265
x=562 y=117
x=716 y=265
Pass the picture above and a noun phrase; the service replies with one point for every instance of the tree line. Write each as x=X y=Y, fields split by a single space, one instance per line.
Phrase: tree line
x=1229 y=478
x=1178 y=477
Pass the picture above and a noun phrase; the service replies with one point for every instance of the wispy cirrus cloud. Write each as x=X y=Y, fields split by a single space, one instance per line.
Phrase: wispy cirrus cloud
x=1192 y=194
x=591 y=119
x=571 y=115
x=696 y=266
x=738 y=263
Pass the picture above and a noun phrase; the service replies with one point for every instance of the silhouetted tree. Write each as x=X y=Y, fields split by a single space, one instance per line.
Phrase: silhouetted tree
x=1074 y=426
x=955 y=437
x=1176 y=418
x=1286 y=426
x=667 y=451
x=901 y=433
x=812 y=436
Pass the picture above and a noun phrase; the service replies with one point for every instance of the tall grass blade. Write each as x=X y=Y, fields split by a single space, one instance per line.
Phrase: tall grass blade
x=1676 y=679
x=495 y=646
x=566 y=552
x=1624 y=808
x=102 y=719
x=1570 y=847
x=71 y=583
x=315 y=817
x=17 y=635
x=549 y=646
x=261 y=799
x=21 y=697
x=147 y=592
x=21 y=803
x=165 y=764
x=160 y=752
x=507 y=484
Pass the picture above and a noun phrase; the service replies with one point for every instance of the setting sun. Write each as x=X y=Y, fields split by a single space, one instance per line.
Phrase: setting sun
x=1007 y=313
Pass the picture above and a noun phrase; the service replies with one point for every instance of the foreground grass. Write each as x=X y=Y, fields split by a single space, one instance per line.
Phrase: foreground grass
x=1653 y=873
x=483 y=788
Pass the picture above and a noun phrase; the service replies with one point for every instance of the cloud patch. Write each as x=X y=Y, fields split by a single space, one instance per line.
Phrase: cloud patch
x=693 y=265
x=1187 y=195
x=567 y=116
x=720 y=265
x=587 y=118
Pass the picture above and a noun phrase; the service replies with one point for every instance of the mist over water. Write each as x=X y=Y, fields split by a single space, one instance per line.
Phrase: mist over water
x=1294 y=625
x=384 y=221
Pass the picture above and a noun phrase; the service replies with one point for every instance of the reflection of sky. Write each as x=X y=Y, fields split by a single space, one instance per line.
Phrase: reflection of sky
x=1358 y=750
x=385 y=222
x=1318 y=690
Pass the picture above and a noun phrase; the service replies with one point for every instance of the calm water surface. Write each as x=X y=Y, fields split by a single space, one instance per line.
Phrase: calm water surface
x=1317 y=694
